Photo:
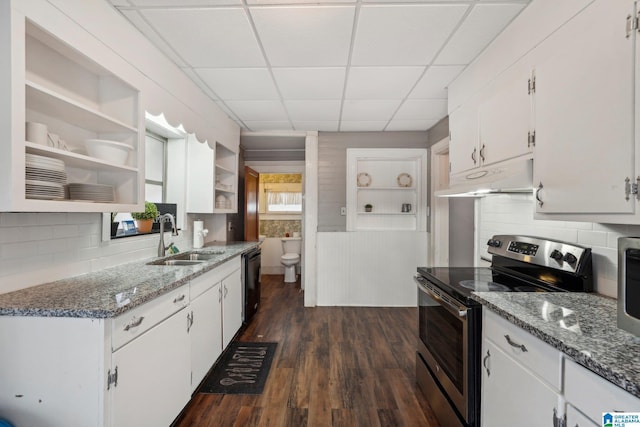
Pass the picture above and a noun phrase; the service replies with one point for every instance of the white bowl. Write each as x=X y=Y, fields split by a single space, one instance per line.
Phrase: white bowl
x=109 y=151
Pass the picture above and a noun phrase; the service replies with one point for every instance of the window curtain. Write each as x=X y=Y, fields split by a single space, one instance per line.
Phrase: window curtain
x=283 y=198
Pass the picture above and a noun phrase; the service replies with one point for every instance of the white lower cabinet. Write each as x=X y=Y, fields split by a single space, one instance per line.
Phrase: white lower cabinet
x=513 y=395
x=205 y=328
x=593 y=395
x=231 y=306
x=525 y=381
x=520 y=376
x=153 y=375
x=576 y=418
x=137 y=369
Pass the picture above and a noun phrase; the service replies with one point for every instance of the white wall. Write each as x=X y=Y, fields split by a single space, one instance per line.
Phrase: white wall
x=513 y=214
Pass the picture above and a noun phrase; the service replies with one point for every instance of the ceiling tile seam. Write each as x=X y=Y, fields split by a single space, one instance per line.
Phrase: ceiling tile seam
x=347 y=71
x=247 y=11
x=179 y=56
x=433 y=60
x=214 y=96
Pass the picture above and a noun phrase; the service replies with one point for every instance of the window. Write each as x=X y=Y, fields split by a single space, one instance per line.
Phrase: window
x=155 y=167
x=284 y=202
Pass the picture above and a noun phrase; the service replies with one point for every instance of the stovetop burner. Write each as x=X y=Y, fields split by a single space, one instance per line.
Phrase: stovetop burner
x=483 y=286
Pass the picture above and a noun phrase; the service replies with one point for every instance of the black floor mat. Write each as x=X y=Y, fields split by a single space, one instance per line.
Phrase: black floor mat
x=242 y=369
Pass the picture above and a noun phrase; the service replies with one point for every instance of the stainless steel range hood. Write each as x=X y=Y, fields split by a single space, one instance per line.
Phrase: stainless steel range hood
x=512 y=176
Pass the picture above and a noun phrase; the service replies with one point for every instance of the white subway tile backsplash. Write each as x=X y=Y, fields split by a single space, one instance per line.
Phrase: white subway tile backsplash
x=43 y=247
x=513 y=214
x=592 y=238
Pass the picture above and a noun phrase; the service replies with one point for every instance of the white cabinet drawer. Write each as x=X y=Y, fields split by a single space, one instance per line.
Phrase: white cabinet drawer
x=576 y=418
x=202 y=284
x=593 y=395
x=133 y=323
x=534 y=354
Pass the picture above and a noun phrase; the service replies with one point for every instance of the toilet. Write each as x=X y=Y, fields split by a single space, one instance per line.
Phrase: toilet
x=291 y=248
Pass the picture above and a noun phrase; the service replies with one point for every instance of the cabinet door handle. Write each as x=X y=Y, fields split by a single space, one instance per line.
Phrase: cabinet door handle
x=473 y=156
x=134 y=323
x=484 y=363
x=226 y=291
x=515 y=344
x=482 y=153
x=178 y=299
x=538 y=199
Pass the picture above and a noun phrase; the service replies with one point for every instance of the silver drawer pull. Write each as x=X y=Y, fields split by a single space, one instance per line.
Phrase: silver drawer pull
x=515 y=344
x=134 y=323
x=178 y=299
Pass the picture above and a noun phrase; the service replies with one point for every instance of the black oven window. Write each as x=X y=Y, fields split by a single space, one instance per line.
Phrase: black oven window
x=632 y=287
x=442 y=333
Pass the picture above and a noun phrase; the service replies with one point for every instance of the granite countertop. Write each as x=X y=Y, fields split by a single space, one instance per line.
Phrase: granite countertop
x=112 y=291
x=583 y=326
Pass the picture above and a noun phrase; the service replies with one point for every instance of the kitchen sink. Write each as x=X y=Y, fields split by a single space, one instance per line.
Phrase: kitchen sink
x=188 y=258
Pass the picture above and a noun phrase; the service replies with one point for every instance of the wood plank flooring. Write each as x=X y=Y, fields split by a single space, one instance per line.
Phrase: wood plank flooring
x=334 y=366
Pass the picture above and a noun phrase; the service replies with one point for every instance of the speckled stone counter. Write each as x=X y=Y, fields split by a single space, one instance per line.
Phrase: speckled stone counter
x=113 y=291
x=583 y=326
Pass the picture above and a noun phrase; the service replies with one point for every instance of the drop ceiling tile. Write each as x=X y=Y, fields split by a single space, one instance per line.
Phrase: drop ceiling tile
x=305 y=36
x=422 y=109
x=315 y=125
x=265 y=111
x=239 y=83
x=407 y=34
x=148 y=31
x=260 y=125
x=310 y=83
x=200 y=83
x=190 y=3
x=362 y=126
x=381 y=82
x=435 y=81
x=315 y=2
x=208 y=38
x=317 y=110
x=368 y=110
x=406 y=125
x=480 y=27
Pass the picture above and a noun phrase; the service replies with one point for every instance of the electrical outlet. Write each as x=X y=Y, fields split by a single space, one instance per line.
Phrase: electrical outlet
x=343 y=211
x=229 y=226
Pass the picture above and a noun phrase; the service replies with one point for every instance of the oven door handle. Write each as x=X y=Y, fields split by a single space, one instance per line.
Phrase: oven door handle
x=460 y=311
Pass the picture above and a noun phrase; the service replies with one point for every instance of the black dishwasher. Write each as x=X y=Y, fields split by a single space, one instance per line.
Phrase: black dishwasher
x=251 y=282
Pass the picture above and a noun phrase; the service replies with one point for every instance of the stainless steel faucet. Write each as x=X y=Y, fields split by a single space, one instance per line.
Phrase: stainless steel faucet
x=161 y=219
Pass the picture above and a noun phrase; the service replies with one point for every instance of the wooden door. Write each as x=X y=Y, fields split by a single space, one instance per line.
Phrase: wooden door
x=251 y=188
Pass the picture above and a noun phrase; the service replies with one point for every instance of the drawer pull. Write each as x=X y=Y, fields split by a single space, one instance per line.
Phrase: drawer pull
x=515 y=344
x=484 y=363
x=178 y=299
x=134 y=323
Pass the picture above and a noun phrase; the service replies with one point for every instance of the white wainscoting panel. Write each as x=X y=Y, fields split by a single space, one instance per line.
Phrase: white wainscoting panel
x=369 y=268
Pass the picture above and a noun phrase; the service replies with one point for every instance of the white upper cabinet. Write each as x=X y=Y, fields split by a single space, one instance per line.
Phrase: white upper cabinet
x=505 y=118
x=77 y=98
x=463 y=145
x=585 y=148
x=212 y=178
x=493 y=126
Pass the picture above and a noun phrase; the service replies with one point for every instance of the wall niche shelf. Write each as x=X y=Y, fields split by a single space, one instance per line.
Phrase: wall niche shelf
x=382 y=170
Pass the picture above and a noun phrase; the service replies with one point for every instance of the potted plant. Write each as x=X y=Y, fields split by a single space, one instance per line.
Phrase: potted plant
x=368 y=207
x=145 y=219
x=114 y=224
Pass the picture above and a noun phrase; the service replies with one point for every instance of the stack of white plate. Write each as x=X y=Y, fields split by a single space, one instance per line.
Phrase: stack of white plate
x=91 y=192
x=44 y=177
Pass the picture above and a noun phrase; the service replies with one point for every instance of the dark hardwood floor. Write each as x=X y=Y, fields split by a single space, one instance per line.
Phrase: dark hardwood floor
x=334 y=366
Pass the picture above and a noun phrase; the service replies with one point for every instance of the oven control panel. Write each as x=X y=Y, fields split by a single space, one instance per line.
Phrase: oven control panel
x=544 y=252
x=523 y=248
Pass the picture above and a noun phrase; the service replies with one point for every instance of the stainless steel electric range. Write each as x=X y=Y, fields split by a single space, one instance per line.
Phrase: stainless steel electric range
x=450 y=321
